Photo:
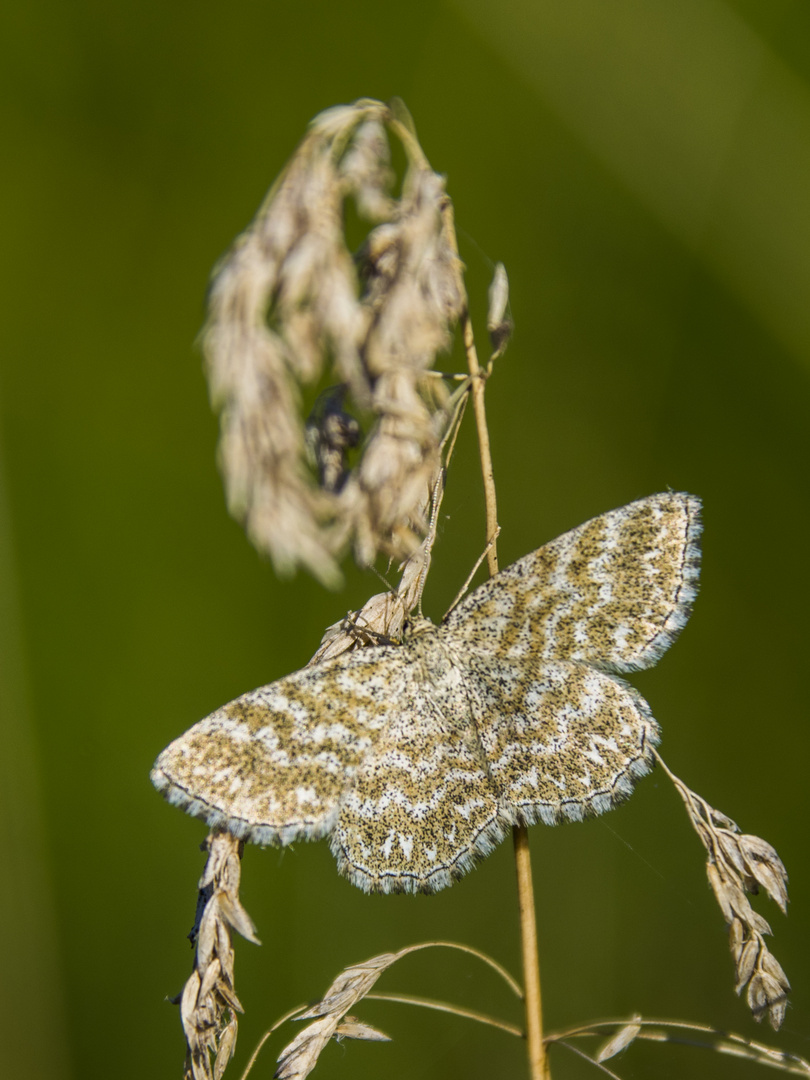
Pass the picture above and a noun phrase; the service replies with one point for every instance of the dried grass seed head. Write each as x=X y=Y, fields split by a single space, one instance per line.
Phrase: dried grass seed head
x=738 y=863
x=287 y=304
x=499 y=323
x=208 y=1003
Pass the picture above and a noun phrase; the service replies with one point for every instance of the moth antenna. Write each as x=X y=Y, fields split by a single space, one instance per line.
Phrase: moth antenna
x=462 y=591
x=378 y=573
x=430 y=539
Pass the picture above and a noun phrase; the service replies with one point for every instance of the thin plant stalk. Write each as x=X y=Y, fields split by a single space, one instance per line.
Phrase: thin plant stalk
x=536 y=1047
x=686 y=1033
x=538 y=1061
x=329 y=1018
x=448 y=1007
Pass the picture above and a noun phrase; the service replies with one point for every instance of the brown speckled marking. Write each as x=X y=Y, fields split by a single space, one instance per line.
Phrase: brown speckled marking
x=416 y=759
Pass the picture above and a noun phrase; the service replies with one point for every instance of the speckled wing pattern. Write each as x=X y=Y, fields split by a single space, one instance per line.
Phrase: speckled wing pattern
x=415 y=759
x=614 y=592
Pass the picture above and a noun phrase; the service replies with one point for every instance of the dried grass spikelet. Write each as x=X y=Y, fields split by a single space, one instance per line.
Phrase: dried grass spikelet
x=290 y=298
x=499 y=322
x=626 y=1035
x=208 y=1003
x=740 y=864
x=299 y=1058
x=676 y=1031
x=330 y=1017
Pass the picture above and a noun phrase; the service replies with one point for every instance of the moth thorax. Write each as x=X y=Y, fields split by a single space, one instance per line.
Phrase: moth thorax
x=417 y=626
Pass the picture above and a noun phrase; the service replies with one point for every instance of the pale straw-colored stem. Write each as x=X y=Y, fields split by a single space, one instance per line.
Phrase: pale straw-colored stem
x=448 y=1007
x=479 y=408
x=538 y=1061
x=536 y=1048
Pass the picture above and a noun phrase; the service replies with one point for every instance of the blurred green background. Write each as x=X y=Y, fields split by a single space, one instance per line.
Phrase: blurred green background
x=642 y=167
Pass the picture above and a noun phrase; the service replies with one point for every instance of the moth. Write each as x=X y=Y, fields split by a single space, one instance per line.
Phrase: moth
x=415 y=759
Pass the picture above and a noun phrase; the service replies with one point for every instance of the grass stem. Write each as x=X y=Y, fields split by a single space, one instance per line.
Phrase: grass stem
x=538 y=1060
